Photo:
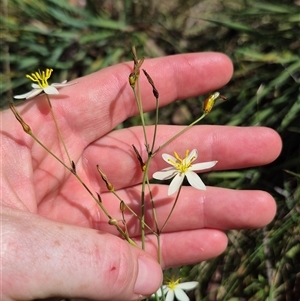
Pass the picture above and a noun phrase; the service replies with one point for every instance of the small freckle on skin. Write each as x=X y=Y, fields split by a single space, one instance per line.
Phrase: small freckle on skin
x=57 y=242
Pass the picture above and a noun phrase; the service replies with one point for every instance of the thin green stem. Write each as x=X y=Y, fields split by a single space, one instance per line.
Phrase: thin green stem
x=179 y=133
x=171 y=211
x=133 y=213
x=58 y=130
x=140 y=109
x=144 y=181
x=153 y=205
x=137 y=96
x=72 y=171
x=159 y=255
x=49 y=151
x=155 y=125
x=143 y=213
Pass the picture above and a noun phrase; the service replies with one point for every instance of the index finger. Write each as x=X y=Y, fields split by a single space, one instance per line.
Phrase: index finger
x=175 y=77
x=97 y=103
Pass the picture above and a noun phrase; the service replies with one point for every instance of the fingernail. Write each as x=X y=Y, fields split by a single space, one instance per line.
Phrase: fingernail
x=149 y=276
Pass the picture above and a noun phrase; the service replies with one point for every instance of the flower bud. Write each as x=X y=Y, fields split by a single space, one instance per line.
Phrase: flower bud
x=209 y=102
x=132 y=79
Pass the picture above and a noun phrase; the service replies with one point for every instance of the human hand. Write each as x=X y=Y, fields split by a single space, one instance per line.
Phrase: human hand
x=55 y=239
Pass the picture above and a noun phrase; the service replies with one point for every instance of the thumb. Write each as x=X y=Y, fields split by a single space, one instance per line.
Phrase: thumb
x=42 y=258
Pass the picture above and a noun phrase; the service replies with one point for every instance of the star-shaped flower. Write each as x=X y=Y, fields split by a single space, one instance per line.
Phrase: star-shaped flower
x=41 y=78
x=174 y=288
x=181 y=168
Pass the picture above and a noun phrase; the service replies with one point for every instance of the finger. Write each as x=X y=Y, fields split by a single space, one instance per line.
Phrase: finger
x=221 y=208
x=187 y=247
x=100 y=101
x=217 y=208
x=71 y=262
x=232 y=147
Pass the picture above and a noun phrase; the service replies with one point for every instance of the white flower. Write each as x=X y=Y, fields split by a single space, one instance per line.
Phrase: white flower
x=41 y=78
x=181 y=168
x=174 y=288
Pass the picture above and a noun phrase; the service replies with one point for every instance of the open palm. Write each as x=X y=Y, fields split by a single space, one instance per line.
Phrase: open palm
x=56 y=236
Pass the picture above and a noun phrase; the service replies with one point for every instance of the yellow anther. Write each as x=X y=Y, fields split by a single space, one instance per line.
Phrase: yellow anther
x=173 y=283
x=177 y=157
x=182 y=165
x=41 y=78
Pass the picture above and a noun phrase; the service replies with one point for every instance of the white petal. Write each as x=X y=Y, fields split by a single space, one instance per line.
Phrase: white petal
x=29 y=94
x=59 y=84
x=22 y=96
x=187 y=286
x=204 y=165
x=34 y=93
x=168 y=157
x=176 y=183
x=165 y=174
x=50 y=90
x=170 y=295
x=181 y=295
x=35 y=86
x=193 y=155
x=63 y=84
x=195 y=180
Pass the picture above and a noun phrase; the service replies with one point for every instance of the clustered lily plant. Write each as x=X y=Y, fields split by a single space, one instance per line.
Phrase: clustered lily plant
x=180 y=167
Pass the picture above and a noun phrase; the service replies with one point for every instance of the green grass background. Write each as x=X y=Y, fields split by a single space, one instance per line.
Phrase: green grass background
x=262 y=38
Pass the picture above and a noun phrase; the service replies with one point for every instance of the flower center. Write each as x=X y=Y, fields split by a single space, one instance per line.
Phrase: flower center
x=173 y=283
x=41 y=78
x=182 y=165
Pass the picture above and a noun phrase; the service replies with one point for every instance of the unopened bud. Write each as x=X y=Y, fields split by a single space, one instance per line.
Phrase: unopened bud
x=142 y=164
x=122 y=206
x=132 y=79
x=109 y=186
x=210 y=101
x=25 y=126
x=113 y=222
x=155 y=92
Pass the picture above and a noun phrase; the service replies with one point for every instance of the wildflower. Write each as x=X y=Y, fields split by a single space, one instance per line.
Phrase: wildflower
x=181 y=168
x=41 y=78
x=174 y=288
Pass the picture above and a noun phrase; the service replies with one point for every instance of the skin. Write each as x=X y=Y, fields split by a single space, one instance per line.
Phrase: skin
x=56 y=242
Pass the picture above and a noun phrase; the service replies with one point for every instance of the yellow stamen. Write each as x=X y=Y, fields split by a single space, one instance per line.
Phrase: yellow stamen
x=182 y=165
x=177 y=157
x=41 y=78
x=173 y=283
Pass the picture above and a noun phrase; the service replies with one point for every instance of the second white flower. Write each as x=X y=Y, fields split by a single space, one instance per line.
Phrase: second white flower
x=181 y=168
